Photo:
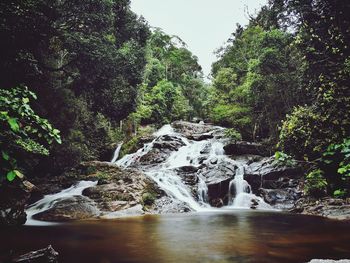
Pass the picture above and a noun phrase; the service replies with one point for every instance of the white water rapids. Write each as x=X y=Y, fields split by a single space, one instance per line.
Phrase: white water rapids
x=167 y=178
x=165 y=175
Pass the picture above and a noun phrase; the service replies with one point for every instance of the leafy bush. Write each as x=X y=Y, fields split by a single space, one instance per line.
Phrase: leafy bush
x=297 y=136
x=21 y=130
x=233 y=134
x=284 y=159
x=316 y=184
x=335 y=162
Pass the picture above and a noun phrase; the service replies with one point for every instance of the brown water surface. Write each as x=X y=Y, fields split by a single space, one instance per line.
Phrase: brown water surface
x=236 y=236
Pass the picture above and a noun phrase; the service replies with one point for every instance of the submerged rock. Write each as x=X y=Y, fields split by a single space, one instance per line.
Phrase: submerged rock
x=45 y=255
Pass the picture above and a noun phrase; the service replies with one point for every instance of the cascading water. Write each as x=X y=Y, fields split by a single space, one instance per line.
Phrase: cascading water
x=116 y=153
x=48 y=201
x=240 y=195
x=167 y=178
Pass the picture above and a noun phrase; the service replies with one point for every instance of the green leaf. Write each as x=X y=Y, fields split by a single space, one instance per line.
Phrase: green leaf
x=11 y=175
x=13 y=124
x=18 y=174
x=5 y=156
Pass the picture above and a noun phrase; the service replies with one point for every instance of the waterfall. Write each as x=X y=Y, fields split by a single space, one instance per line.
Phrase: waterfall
x=240 y=195
x=116 y=152
x=202 y=190
x=166 y=177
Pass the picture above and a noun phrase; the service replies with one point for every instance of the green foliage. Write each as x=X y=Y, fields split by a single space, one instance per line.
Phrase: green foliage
x=316 y=184
x=172 y=87
x=22 y=130
x=148 y=199
x=284 y=159
x=254 y=82
x=233 y=134
x=84 y=60
x=335 y=162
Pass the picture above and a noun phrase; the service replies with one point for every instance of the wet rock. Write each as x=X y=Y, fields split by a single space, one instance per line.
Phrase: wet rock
x=217 y=177
x=200 y=137
x=188 y=175
x=168 y=205
x=265 y=174
x=216 y=202
x=162 y=149
x=194 y=131
x=241 y=148
x=74 y=208
x=327 y=207
x=45 y=255
x=254 y=204
x=281 y=198
x=136 y=210
x=121 y=189
x=13 y=199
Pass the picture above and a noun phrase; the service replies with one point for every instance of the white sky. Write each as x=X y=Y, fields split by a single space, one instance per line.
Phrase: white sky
x=204 y=25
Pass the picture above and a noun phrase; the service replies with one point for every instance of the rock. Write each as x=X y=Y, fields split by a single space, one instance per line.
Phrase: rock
x=265 y=174
x=254 y=204
x=194 y=131
x=162 y=148
x=136 y=210
x=166 y=205
x=45 y=255
x=188 y=175
x=74 y=208
x=326 y=207
x=241 y=148
x=13 y=199
x=280 y=198
x=329 y=261
x=200 y=137
x=217 y=177
x=216 y=202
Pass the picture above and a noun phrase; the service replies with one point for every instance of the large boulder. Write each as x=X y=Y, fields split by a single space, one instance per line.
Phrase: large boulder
x=69 y=209
x=161 y=150
x=120 y=189
x=217 y=177
x=241 y=148
x=13 y=199
x=284 y=198
x=194 y=131
x=266 y=174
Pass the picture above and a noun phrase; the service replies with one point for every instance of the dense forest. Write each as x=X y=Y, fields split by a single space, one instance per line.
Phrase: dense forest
x=80 y=76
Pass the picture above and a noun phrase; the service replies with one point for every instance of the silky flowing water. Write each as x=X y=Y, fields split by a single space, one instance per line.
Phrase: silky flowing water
x=231 y=236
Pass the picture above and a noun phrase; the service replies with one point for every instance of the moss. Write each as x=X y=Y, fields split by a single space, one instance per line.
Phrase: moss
x=148 y=199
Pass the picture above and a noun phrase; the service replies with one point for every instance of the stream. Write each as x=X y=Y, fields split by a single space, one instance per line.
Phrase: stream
x=243 y=229
x=231 y=236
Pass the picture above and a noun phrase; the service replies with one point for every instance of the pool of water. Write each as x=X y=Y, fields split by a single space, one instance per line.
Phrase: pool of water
x=231 y=236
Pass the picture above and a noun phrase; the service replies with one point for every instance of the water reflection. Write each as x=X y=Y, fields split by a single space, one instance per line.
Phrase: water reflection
x=235 y=236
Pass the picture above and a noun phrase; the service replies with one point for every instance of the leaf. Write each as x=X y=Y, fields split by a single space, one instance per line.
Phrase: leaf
x=11 y=175
x=25 y=100
x=5 y=156
x=18 y=174
x=13 y=124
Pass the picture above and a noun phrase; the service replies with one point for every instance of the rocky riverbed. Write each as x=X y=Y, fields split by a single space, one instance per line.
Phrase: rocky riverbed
x=183 y=167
